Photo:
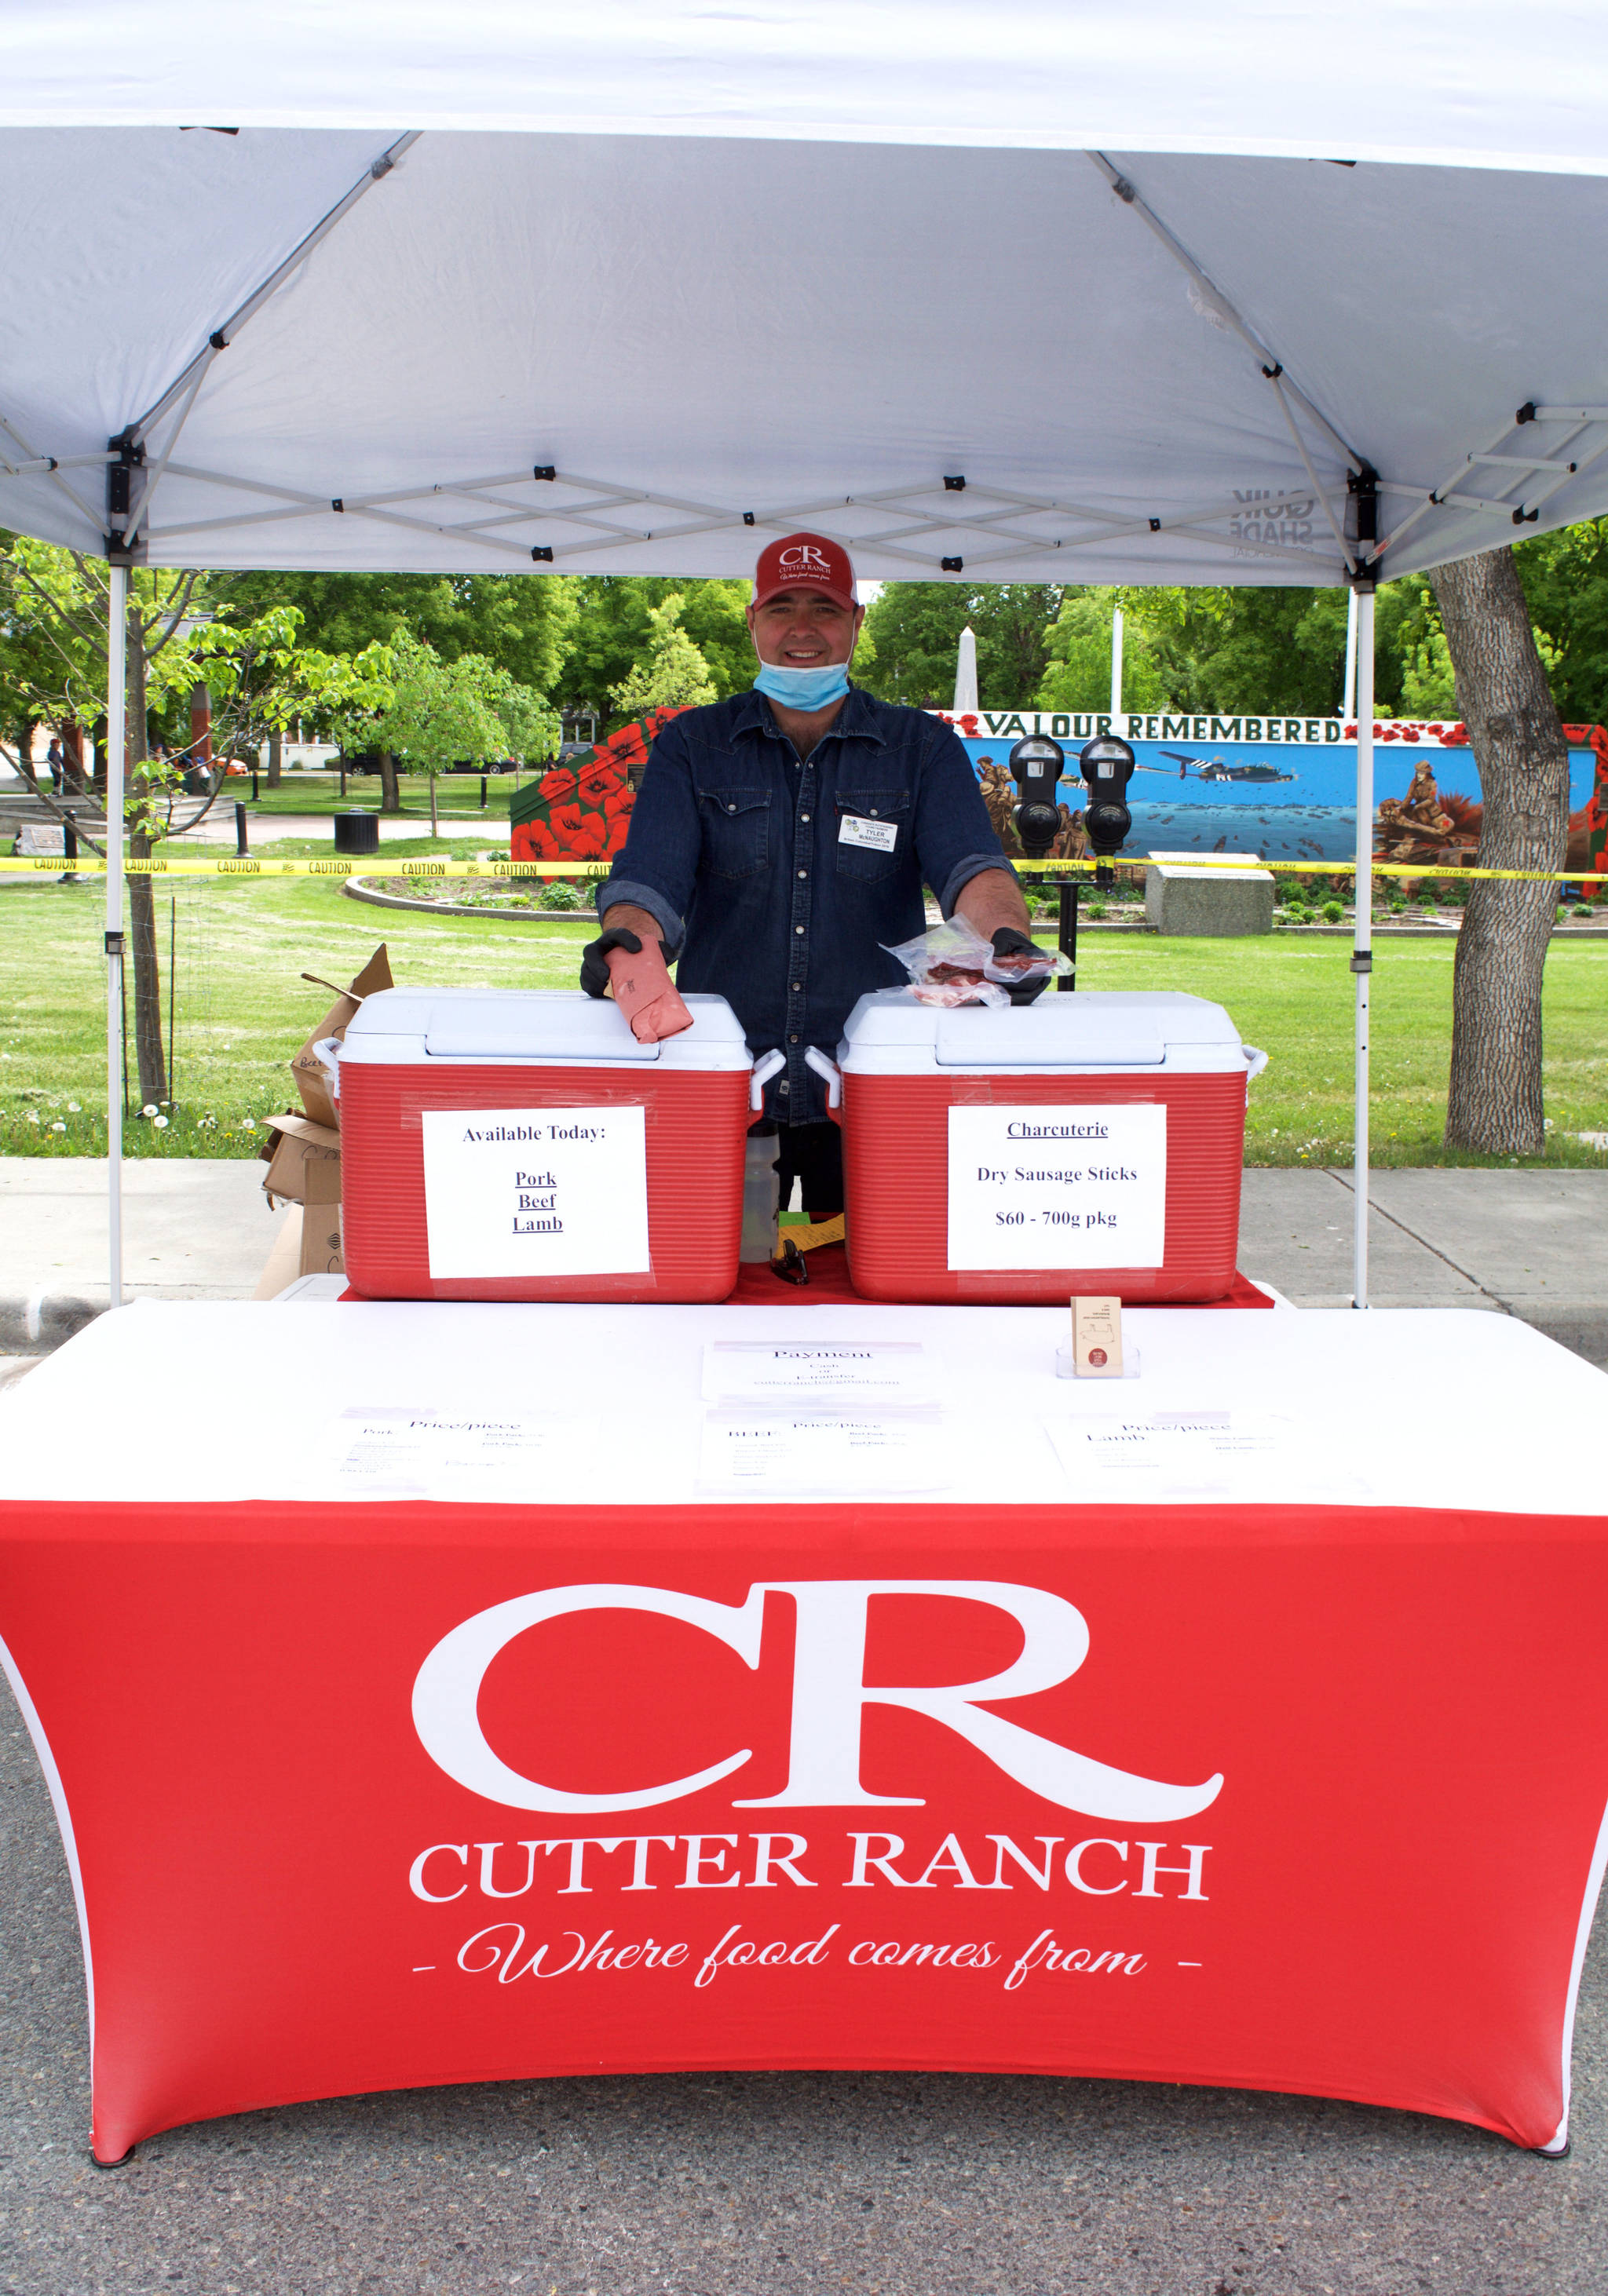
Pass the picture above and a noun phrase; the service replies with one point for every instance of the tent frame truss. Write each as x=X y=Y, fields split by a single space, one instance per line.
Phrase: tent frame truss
x=595 y=513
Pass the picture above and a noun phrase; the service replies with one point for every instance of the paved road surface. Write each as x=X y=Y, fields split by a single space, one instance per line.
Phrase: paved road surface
x=755 y=2184
x=887 y=2184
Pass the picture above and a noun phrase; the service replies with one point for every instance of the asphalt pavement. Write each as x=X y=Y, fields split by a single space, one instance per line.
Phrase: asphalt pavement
x=758 y=2185
x=742 y=2185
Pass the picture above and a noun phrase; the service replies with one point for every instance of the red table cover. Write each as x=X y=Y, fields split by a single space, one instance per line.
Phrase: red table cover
x=1289 y=1798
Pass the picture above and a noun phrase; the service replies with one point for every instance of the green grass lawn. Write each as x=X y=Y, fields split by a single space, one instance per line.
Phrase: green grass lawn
x=241 y=1008
x=456 y=794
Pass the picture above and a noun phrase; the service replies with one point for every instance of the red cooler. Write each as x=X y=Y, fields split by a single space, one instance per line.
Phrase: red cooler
x=1018 y=1154
x=508 y=1145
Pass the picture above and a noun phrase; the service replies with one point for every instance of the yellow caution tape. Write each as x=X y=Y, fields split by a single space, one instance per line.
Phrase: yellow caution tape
x=420 y=870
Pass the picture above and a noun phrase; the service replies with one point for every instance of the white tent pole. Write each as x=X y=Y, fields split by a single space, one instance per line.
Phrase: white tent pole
x=1348 y=699
x=1116 y=666
x=116 y=691
x=1362 y=939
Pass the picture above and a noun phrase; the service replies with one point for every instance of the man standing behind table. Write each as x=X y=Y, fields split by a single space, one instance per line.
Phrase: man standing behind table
x=779 y=845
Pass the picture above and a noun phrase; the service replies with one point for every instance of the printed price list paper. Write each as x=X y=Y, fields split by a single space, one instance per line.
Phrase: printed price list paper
x=1068 y=1187
x=536 y=1191
x=789 y=1371
x=385 y=1451
x=1174 y=1451
x=823 y=1453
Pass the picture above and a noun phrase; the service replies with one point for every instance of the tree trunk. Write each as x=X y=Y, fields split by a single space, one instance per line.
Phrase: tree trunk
x=25 y=755
x=1494 y=1103
x=147 y=980
x=276 y=757
x=73 y=778
x=141 y=897
x=390 y=800
x=435 y=820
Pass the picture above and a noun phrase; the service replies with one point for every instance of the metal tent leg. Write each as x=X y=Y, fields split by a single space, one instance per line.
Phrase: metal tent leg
x=116 y=690
x=1362 y=939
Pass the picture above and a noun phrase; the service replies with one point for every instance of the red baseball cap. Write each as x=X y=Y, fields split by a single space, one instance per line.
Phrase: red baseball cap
x=805 y=562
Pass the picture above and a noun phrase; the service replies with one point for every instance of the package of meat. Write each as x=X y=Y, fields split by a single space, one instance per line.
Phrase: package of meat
x=962 y=989
x=951 y=958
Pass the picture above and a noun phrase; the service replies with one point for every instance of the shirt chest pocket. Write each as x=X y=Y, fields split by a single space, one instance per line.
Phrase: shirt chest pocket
x=874 y=831
x=736 y=829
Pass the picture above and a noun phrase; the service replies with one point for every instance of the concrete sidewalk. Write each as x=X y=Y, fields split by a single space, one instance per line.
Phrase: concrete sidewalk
x=1526 y=1243
x=194 y=1228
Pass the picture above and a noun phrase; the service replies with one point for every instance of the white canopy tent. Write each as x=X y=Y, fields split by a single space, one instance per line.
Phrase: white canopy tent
x=1280 y=294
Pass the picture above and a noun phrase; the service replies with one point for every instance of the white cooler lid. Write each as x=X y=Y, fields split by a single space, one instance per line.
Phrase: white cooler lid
x=890 y=1034
x=544 y=1027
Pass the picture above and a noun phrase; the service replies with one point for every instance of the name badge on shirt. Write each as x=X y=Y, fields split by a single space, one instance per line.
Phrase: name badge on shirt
x=875 y=836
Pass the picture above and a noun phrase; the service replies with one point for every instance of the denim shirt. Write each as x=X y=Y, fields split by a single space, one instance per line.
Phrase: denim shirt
x=735 y=847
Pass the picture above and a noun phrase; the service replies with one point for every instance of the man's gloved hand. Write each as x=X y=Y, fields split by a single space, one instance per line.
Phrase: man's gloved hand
x=593 y=958
x=1015 y=960
x=1010 y=944
x=641 y=983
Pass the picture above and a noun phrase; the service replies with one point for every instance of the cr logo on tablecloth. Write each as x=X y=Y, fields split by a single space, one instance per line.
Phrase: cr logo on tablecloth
x=830 y=1694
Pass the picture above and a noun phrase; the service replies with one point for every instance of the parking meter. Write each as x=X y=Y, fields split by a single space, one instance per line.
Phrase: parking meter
x=1107 y=766
x=1036 y=766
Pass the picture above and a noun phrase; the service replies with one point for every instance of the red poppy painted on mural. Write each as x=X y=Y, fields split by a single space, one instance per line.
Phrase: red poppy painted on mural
x=581 y=812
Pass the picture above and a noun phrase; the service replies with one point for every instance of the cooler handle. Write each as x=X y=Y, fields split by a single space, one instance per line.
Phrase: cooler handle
x=1256 y=1060
x=828 y=1072
x=764 y=1068
x=327 y=1054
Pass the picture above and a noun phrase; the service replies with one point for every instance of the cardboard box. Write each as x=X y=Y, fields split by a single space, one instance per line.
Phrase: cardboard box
x=290 y=1139
x=321 y=1244
x=312 y=1079
x=283 y=1265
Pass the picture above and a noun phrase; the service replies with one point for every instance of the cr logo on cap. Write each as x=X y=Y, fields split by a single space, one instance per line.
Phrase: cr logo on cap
x=804 y=558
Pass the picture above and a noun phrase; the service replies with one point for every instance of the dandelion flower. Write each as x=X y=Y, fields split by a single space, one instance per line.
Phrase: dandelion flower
x=58 y=1127
x=149 y=1108
x=73 y=1109
x=33 y=1116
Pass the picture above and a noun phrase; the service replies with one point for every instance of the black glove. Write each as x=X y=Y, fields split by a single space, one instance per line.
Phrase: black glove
x=1013 y=952
x=1008 y=942
x=593 y=967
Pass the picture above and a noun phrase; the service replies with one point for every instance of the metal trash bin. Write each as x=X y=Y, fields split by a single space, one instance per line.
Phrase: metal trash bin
x=356 y=832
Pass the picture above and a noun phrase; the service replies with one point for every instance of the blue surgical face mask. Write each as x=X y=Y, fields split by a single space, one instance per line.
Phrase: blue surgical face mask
x=802 y=689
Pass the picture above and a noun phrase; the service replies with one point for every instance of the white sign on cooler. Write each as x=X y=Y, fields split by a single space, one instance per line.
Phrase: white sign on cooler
x=1058 y=1186
x=536 y=1191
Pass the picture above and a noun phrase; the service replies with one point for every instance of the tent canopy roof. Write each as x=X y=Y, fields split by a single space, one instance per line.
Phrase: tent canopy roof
x=722 y=273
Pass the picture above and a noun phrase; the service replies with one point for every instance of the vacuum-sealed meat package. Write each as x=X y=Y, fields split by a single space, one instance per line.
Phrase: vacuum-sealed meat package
x=952 y=965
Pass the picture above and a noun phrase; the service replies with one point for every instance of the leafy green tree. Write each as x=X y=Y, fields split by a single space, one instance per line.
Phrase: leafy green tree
x=1565 y=579
x=674 y=675
x=1080 y=672
x=615 y=632
x=914 y=630
x=1428 y=681
x=522 y=623
x=257 y=673
x=436 y=714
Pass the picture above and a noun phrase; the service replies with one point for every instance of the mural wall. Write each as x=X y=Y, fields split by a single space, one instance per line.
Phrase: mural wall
x=1282 y=787
x=1285 y=787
